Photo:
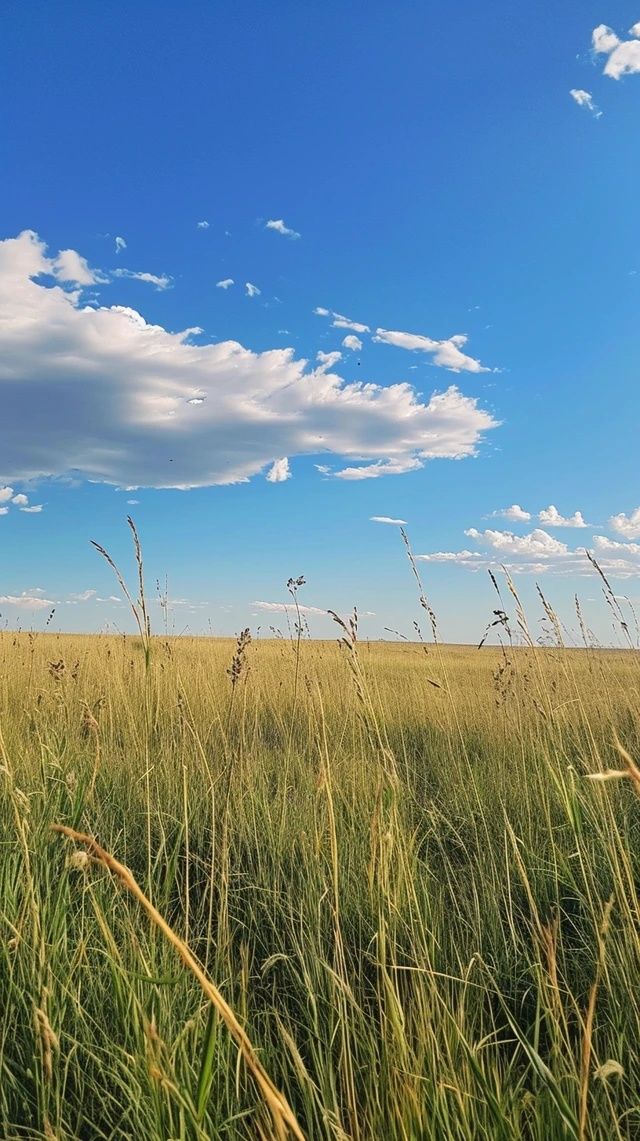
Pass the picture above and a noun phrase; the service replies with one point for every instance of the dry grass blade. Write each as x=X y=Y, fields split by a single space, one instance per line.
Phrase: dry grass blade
x=631 y=772
x=284 y=1120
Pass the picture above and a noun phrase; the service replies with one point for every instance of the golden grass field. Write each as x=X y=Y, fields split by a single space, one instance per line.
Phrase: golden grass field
x=387 y=858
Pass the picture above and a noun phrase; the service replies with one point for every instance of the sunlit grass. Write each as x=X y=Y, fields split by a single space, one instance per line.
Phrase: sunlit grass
x=387 y=858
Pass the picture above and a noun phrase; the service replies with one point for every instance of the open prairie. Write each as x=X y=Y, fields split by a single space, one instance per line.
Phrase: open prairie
x=387 y=859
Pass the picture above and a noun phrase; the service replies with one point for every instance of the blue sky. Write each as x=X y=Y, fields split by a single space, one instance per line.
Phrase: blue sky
x=469 y=171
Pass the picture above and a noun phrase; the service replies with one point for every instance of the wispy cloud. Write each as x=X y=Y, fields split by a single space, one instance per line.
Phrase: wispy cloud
x=130 y=422
x=252 y=290
x=447 y=353
x=320 y=312
x=380 y=468
x=35 y=509
x=279 y=471
x=623 y=55
x=204 y=225
x=278 y=225
x=28 y=600
x=120 y=245
x=585 y=99
x=386 y=519
x=327 y=360
x=161 y=281
x=225 y=283
x=341 y=322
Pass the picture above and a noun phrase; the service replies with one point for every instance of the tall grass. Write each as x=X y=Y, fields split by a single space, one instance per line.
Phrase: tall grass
x=420 y=917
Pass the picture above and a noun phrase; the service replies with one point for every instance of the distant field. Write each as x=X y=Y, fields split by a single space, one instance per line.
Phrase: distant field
x=388 y=858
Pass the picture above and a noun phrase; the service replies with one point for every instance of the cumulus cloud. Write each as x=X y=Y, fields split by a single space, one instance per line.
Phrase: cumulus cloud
x=628 y=525
x=6 y=494
x=551 y=517
x=352 y=342
x=28 y=600
x=35 y=509
x=447 y=353
x=279 y=471
x=585 y=99
x=386 y=519
x=69 y=266
x=4 y=510
x=252 y=290
x=320 y=312
x=539 y=553
x=20 y=500
x=106 y=397
x=161 y=282
x=204 y=225
x=516 y=513
x=225 y=283
x=624 y=55
x=120 y=245
x=278 y=225
x=538 y=542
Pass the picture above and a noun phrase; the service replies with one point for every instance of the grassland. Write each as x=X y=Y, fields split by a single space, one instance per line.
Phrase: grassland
x=389 y=860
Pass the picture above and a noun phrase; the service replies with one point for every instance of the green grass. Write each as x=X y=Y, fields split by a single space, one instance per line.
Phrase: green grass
x=401 y=888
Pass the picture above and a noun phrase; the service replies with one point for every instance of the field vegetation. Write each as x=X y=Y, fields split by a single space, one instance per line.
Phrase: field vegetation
x=375 y=892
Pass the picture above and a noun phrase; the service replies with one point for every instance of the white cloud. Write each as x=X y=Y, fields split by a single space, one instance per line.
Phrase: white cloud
x=6 y=493
x=225 y=283
x=279 y=471
x=624 y=55
x=120 y=245
x=551 y=517
x=160 y=282
x=252 y=290
x=106 y=396
x=341 y=322
x=602 y=543
x=539 y=553
x=447 y=353
x=4 y=510
x=352 y=342
x=516 y=513
x=628 y=525
x=204 y=225
x=278 y=225
x=287 y=607
x=450 y=557
x=381 y=467
x=327 y=360
x=386 y=519
x=83 y=596
x=34 y=510
x=69 y=266
x=585 y=99
x=320 y=312
x=537 y=542
x=28 y=600
x=20 y=500
x=133 y=502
